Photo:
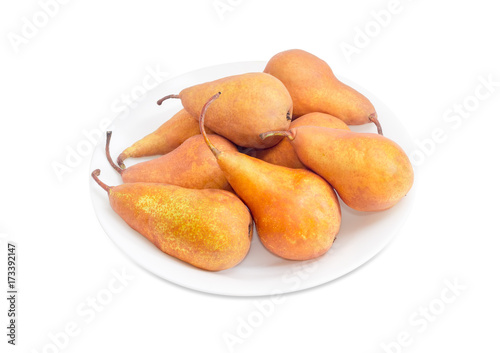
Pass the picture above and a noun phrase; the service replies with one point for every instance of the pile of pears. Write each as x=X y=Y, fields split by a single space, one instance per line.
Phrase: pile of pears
x=199 y=199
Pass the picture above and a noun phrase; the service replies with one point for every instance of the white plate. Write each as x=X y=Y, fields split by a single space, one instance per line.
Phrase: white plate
x=362 y=235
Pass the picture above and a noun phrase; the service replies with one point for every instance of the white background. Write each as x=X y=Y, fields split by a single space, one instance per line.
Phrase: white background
x=71 y=75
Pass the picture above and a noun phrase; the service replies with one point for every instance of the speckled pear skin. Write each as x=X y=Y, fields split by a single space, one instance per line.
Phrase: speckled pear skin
x=283 y=153
x=250 y=104
x=370 y=172
x=314 y=88
x=191 y=165
x=209 y=229
x=296 y=212
x=170 y=135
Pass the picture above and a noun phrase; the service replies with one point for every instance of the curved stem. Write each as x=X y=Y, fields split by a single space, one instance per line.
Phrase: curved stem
x=108 y=156
x=160 y=101
x=95 y=175
x=265 y=135
x=214 y=149
x=374 y=119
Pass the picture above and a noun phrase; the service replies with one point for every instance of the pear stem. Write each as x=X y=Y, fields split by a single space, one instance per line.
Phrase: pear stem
x=160 y=101
x=108 y=155
x=373 y=118
x=214 y=149
x=265 y=135
x=95 y=175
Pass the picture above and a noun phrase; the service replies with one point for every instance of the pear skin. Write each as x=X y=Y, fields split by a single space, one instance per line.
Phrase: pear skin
x=170 y=135
x=209 y=229
x=314 y=88
x=283 y=153
x=369 y=171
x=296 y=212
x=250 y=104
x=191 y=165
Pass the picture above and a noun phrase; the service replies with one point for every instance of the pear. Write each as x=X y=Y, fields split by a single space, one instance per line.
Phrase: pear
x=283 y=153
x=314 y=88
x=296 y=212
x=170 y=135
x=369 y=171
x=251 y=103
x=190 y=165
x=209 y=229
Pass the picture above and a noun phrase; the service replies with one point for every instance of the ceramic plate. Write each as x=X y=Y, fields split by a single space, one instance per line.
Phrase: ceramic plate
x=362 y=235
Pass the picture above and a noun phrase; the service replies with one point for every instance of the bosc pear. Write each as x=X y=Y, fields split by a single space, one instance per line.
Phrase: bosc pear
x=251 y=103
x=170 y=135
x=296 y=212
x=370 y=172
x=191 y=165
x=283 y=153
x=314 y=88
x=209 y=229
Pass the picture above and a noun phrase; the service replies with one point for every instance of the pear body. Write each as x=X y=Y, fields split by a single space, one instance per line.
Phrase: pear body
x=249 y=104
x=170 y=135
x=283 y=153
x=370 y=172
x=314 y=88
x=210 y=229
x=191 y=165
x=296 y=212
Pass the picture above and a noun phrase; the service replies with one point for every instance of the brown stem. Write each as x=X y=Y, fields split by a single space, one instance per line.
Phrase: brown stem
x=374 y=119
x=108 y=156
x=214 y=149
x=95 y=175
x=265 y=135
x=160 y=101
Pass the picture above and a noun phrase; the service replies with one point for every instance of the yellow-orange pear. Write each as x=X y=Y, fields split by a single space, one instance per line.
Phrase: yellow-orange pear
x=369 y=171
x=170 y=135
x=190 y=165
x=296 y=212
x=250 y=104
x=209 y=229
x=314 y=88
x=283 y=153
